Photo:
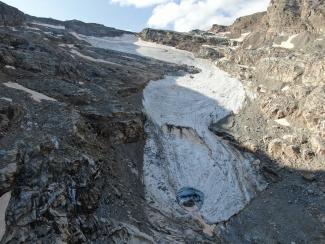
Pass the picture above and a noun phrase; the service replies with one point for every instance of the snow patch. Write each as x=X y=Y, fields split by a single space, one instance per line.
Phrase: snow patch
x=58 y=27
x=283 y=122
x=287 y=44
x=38 y=97
x=286 y=88
x=241 y=38
x=6 y=99
x=4 y=201
x=32 y=28
x=66 y=45
x=78 y=36
x=10 y=67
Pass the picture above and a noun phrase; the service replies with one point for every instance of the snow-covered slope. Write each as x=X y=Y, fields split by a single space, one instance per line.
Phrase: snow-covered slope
x=180 y=150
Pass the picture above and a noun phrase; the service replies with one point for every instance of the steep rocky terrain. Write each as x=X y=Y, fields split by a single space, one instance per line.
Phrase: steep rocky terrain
x=279 y=56
x=71 y=134
x=72 y=128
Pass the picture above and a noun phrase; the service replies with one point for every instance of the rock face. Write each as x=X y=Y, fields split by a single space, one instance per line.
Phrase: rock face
x=285 y=18
x=246 y=23
x=10 y=16
x=297 y=15
x=286 y=74
x=190 y=42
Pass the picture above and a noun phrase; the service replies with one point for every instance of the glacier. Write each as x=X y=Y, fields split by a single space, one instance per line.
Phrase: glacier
x=180 y=150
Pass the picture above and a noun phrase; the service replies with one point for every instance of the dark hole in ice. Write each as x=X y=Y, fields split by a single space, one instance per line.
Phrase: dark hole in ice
x=188 y=197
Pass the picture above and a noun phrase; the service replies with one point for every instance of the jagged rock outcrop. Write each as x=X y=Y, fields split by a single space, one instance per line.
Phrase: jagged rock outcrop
x=296 y=15
x=247 y=23
x=10 y=16
x=285 y=18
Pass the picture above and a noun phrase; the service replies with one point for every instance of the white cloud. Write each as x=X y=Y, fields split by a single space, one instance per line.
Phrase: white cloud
x=185 y=15
x=139 y=3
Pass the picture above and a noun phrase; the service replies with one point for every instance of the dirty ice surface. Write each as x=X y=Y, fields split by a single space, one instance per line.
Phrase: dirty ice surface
x=180 y=149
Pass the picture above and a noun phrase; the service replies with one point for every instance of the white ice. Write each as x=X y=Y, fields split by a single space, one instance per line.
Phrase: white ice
x=180 y=150
x=58 y=27
x=97 y=60
x=38 y=97
x=287 y=44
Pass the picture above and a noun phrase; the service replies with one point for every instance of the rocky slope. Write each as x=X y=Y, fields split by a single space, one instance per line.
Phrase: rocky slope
x=285 y=64
x=72 y=128
x=71 y=134
x=279 y=56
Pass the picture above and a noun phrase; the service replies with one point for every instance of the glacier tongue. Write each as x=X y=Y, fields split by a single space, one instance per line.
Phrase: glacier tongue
x=180 y=150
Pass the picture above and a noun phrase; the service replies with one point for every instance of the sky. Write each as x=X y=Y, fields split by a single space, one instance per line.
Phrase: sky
x=134 y=15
